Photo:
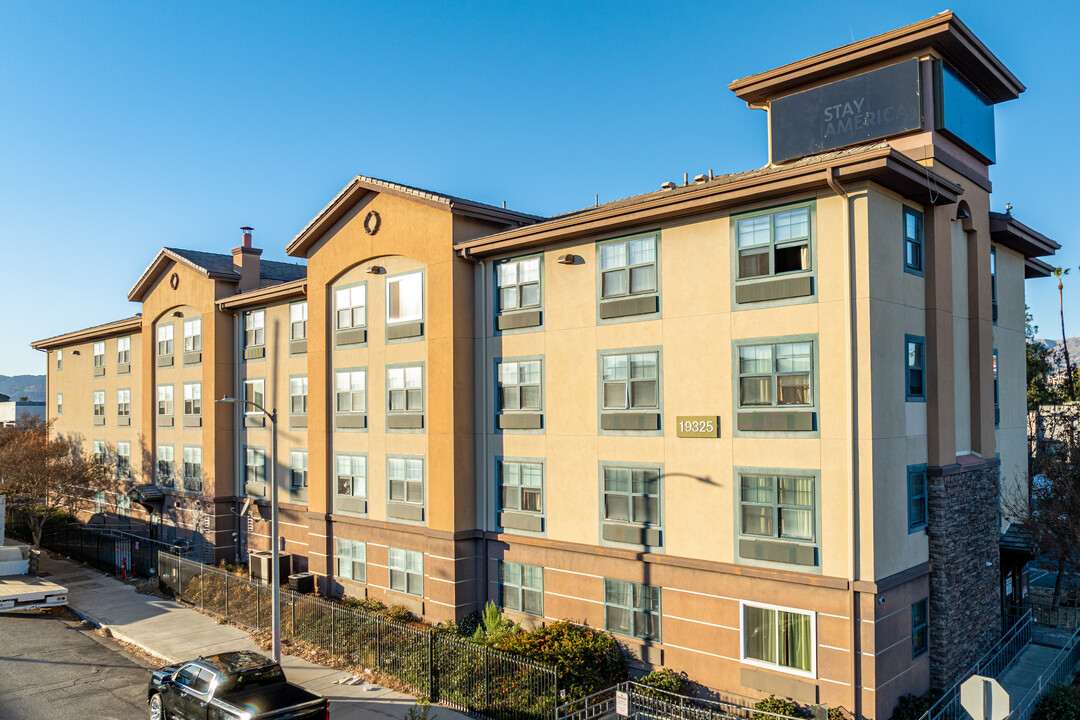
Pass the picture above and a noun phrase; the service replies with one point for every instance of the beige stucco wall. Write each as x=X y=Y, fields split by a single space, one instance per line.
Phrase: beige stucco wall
x=1009 y=339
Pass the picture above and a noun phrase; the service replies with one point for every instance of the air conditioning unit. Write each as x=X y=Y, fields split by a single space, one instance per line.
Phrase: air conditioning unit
x=260 y=562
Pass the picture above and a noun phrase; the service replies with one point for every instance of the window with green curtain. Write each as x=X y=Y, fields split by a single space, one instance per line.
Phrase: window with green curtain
x=774 y=636
x=777 y=506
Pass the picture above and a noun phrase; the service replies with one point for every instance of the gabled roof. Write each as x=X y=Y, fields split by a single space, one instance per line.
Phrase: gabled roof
x=943 y=32
x=362 y=184
x=217 y=266
x=878 y=162
x=126 y=326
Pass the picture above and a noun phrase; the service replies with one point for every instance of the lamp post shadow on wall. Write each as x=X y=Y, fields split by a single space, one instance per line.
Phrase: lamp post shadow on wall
x=275 y=568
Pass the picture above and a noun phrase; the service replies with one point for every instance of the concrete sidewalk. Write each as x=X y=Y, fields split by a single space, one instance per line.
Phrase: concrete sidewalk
x=176 y=633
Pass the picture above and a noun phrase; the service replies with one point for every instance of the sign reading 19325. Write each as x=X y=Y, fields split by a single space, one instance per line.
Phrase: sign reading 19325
x=864 y=107
x=697 y=426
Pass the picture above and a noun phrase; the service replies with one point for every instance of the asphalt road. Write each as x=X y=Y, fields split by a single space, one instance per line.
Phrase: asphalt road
x=50 y=669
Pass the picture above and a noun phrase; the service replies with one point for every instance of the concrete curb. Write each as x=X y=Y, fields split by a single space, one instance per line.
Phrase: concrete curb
x=121 y=637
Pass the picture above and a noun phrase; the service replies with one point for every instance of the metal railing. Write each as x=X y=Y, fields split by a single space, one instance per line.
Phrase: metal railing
x=1045 y=612
x=441 y=666
x=996 y=660
x=1060 y=671
x=648 y=703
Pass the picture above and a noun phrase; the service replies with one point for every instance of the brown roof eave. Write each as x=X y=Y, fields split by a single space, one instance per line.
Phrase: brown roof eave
x=944 y=32
x=1035 y=268
x=117 y=327
x=885 y=167
x=280 y=291
x=1013 y=234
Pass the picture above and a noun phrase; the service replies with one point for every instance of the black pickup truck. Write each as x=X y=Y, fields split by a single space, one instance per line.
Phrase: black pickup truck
x=230 y=686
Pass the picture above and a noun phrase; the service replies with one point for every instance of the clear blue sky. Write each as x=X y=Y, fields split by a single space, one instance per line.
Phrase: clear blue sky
x=125 y=127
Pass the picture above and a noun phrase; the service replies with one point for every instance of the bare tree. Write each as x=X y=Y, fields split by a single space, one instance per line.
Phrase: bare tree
x=42 y=475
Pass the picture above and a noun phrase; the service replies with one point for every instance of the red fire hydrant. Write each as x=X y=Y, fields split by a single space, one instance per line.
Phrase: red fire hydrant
x=123 y=569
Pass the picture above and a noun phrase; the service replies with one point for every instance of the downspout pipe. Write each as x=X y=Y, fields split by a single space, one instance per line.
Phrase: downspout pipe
x=850 y=328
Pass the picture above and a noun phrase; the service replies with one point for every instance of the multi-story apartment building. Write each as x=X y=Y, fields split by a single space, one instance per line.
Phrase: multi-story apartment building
x=753 y=424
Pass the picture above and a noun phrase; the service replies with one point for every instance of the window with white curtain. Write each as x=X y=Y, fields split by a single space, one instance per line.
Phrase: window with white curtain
x=405 y=298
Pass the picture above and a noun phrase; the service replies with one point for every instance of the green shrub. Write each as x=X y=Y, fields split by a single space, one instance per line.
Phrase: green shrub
x=1061 y=703
x=666 y=679
x=493 y=627
x=780 y=706
x=368 y=604
x=587 y=660
x=911 y=707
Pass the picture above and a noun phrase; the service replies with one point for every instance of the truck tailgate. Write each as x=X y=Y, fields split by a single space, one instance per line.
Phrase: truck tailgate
x=25 y=592
x=283 y=701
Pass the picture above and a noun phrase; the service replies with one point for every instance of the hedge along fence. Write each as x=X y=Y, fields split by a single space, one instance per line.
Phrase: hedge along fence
x=440 y=666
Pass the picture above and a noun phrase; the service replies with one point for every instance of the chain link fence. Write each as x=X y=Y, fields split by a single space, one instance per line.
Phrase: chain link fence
x=440 y=666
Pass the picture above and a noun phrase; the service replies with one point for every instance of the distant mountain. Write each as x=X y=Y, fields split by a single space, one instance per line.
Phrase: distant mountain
x=15 y=386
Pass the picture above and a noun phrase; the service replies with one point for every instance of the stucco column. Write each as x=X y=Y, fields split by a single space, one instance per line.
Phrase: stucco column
x=940 y=409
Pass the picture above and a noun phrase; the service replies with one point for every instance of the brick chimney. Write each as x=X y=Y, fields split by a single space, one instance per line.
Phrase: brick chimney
x=246 y=262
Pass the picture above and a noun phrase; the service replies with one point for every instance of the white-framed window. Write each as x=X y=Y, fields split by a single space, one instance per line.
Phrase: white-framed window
x=99 y=451
x=776 y=375
x=298 y=461
x=254 y=465
x=59 y=403
x=193 y=335
x=164 y=400
x=193 y=469
x=193 y=398
x=405 y=389
x=123 y=350
x=520 y=385
x=521 y=487
x=773 y=243
x=298 y=395
x=407 y=571
x=123 y=402
x=166 y=465
x=521 y=588
x=518 y=284
x=123 y=460
x=405 y=298
x=254 y=328
x=350 y=388
x=632 y=609
x=631 y=381
x=123 y=506
x=165 y=339
x=99 y=354
x=351 y=307
x=59 y=358
x=254 y=393
x=628 y=267
x=298 y=321
x=351 y=557
x=406 y=479
x=99 y=403
x=352 y=476
x=779 y=638
x=99 y=502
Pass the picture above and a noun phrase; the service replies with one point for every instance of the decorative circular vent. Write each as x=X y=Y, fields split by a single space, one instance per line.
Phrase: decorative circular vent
x=174 y=281
x=372 y=223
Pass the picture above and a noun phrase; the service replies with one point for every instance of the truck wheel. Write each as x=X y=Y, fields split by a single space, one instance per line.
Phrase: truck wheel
x=157 y=712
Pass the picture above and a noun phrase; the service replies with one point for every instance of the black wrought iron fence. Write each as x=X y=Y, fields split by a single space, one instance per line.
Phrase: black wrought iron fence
x=440 y=666
x=107 y=550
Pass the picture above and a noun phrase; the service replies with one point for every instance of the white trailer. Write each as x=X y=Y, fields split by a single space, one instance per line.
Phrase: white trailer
x=21 y=591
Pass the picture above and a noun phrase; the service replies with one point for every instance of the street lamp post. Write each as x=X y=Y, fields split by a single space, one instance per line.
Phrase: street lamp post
x=275 y=569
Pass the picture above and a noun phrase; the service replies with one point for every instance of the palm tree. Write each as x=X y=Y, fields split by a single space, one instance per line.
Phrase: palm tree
x=1059 y=273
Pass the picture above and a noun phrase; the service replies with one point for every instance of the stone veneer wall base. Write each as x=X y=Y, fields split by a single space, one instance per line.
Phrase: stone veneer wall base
x=965 y=608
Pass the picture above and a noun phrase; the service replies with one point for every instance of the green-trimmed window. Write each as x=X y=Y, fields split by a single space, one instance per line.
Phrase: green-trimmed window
x=521 y=486
x=254 y=394
x=99 y=354
x=521 y=588
x=915 y=370
x=778 y=637
x=351 y=557
x=193 y=398
x=773 y=243
x=632 y=495
x=298 y=394
x=351 y=307
x=165 y=400
x=123 y=402
x=165 y=340
x=628 y=267
x=123 y=351
x=166 y=463
x=350 y=389
x=632 y=609
x=193 y=335
x=407 y=571
x=777 y=506
x=298 y=321
x=99 y=450
x=920 y=627
x=918 y=510
x=123 y=460
x=631 y=381
x=518 y=284
x=193 y=477
x=352 y=476
x=406 y=478
x=99 y=502
x=519 y=385
x=913 y=241
x=776 y=375
x=254 y=328
x=298 y=469
x=99 y=404
x=254 y=465
x=405 y=389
